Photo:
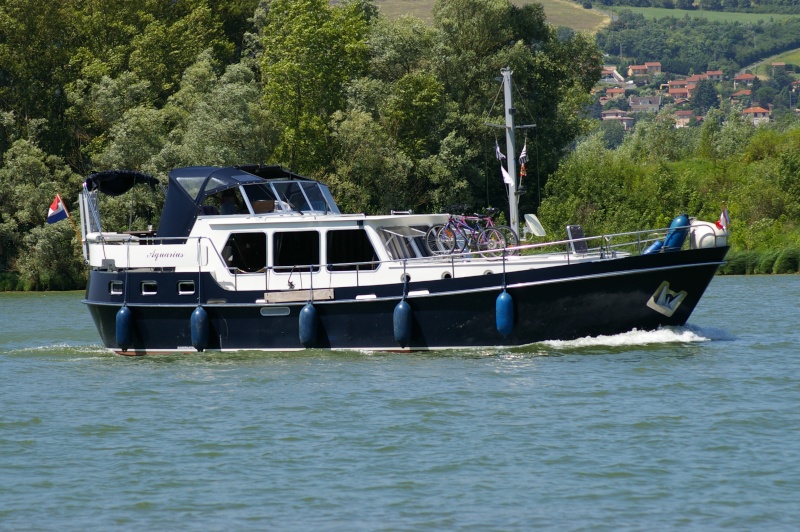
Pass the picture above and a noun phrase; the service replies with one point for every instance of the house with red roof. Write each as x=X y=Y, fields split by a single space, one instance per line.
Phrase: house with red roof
x=635 y=71
x=653 y=67
x=756 y=115
x=615 y=92
x=741 y=95
x=683 y=118
x=743 y=79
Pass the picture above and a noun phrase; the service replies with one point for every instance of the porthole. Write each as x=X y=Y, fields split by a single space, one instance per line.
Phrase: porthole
x=488 y=272
x=149 y=288
x=405 y=278
x=185 y=288
x=115 y=288
x=274 y=311
x=446 y=275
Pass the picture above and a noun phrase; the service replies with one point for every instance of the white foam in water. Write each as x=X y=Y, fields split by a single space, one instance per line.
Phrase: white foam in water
x=666 y=335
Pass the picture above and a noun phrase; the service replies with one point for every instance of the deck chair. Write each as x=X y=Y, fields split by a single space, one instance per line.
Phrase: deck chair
x=575 y=234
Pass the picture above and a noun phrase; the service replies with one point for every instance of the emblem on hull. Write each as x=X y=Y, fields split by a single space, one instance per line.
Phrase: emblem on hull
x=666 y=301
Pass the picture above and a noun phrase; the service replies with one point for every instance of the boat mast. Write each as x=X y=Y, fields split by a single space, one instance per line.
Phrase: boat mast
x=510 y=111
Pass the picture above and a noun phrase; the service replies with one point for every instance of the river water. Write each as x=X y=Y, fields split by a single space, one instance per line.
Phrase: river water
x=691 y=428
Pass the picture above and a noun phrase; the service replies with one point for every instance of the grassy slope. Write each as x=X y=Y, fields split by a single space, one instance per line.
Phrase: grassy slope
x=559 y=12
x=719 y=16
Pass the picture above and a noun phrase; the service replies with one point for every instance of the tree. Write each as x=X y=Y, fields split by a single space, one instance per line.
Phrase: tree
x=704 y=96
x=30 y=179
x=311 y=50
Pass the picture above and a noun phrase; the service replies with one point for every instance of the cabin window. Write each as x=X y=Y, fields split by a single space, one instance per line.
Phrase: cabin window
x=296 y=251
x=404 y=242
x=115 y=288
x=185 y=288
x=246 y=252
x=350 y=249
x=261 y=198
x=229 y=201
x=149 y=288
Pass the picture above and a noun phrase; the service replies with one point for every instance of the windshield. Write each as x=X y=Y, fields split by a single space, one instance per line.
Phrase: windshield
x=301 y=196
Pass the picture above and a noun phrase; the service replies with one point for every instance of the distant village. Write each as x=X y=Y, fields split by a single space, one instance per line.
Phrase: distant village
x=614 y=91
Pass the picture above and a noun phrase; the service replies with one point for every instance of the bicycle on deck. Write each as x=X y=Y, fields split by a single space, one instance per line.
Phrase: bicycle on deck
x=463 y=233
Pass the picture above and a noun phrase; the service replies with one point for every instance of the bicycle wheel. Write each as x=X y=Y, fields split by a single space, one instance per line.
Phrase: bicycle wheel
x=512 y=240
x=460 y=239
x=491 y=242
x=432 y=241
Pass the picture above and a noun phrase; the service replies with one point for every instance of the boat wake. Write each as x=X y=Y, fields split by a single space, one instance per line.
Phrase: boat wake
x=664 y=335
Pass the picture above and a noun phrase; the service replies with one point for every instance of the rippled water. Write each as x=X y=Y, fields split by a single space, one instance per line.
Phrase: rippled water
x=695 y=428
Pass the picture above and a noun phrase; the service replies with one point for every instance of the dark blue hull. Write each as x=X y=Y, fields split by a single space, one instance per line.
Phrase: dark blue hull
x=563 y=302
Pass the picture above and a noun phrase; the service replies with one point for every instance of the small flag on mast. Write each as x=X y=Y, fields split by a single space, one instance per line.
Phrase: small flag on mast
x=724 y=221
x=523 y=157
x=57 y=211
x=497 y=153
x=506 y=178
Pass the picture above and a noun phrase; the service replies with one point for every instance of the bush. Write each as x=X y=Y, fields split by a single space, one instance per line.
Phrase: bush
x=9 y=282
x=740 y=263
x=766 y=262
x=787 y=261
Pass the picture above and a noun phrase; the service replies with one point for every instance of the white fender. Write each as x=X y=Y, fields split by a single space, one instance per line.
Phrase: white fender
x=706 y=235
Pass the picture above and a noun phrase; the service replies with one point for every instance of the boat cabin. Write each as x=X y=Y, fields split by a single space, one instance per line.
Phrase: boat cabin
x=252 y=227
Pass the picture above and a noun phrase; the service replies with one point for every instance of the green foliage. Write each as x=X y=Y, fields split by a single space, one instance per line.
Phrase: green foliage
x=787 y=262
x=52 y=259
x=29 y=179
x=685 y=43
x=391 y=114
x=756 y=170
x=704 y=97
x=766 y=262
x=311 y=50
x=369 y=169
x=740 y=263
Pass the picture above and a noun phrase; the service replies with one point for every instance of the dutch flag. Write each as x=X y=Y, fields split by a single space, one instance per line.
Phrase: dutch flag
x=724 y=221
x=58 y=211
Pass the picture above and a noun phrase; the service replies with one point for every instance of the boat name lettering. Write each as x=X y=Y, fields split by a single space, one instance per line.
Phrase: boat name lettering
x=161 y=255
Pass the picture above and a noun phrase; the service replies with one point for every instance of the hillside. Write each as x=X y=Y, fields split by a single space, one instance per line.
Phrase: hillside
x=559 y=12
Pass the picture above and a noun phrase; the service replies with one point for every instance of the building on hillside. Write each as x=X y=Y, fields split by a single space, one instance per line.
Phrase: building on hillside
x=683 y=118
x=653 y=68
x=756 y=115
x=679 y=93
x=609 y=74
x=714 y=75
x=615 y=92
x=743 y=79
x=741 y=96
x=619 y=116
x=644 y=104
x=637 y=71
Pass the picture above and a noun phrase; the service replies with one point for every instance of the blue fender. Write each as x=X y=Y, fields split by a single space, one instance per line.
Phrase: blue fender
x=199 y=325
x=403 y=323
x=504 y=314
x=124 y=332
x=308 y=325
x=653 y=248
x=678 y=230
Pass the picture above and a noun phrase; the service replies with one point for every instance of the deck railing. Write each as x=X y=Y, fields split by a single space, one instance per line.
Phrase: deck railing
x=605 y=246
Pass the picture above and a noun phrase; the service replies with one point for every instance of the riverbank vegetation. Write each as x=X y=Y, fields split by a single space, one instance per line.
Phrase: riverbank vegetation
x=660 y=171
x=391 y=114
